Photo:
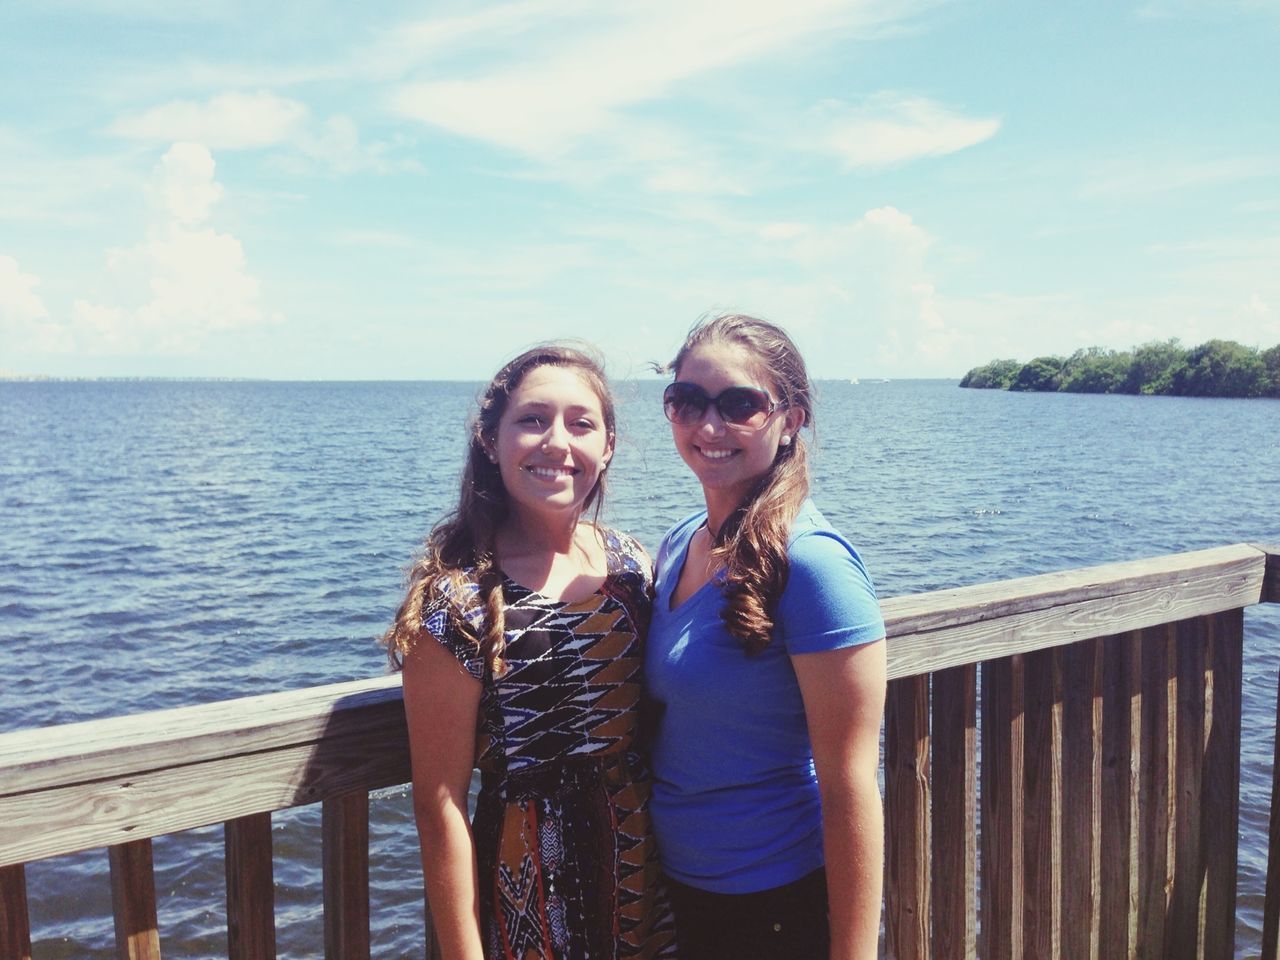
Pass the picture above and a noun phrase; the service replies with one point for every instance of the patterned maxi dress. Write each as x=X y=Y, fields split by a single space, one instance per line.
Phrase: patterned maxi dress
x=567 y=863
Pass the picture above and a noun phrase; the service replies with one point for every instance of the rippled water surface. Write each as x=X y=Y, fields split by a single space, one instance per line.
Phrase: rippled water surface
x=164 y=544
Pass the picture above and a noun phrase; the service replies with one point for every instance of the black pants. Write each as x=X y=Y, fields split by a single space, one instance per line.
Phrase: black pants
x=785 y=923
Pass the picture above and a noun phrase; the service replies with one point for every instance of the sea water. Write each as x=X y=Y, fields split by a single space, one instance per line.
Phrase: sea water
x=172 y=543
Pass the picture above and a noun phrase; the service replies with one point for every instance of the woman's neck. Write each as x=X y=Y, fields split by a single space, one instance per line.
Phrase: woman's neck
x=526 y=533
x=720 y=506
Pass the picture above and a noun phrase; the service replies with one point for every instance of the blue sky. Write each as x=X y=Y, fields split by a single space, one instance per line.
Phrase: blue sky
x=417 y=191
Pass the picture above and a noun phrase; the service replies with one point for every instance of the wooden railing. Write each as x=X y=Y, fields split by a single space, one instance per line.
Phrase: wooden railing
x=1061 y=776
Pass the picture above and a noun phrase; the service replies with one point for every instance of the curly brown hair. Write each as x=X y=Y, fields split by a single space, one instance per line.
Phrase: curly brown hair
x=752 y=542
x=459 y=551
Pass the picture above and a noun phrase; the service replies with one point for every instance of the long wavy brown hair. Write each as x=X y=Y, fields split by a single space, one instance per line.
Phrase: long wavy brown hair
x=752 y=542
x=459 y=551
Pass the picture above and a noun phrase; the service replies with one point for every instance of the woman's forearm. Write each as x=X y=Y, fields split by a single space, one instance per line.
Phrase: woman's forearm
x=449 y=872
x=853 y=841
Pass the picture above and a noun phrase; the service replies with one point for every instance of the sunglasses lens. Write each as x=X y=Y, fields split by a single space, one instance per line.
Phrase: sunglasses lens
x=743 y=406
x=684 y=402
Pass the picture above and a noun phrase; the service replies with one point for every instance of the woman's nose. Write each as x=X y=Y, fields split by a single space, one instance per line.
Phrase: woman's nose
x=711 y=423
x=556 y=437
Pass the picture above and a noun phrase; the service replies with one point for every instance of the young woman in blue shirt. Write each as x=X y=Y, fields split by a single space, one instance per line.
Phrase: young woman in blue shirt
x=765 y=667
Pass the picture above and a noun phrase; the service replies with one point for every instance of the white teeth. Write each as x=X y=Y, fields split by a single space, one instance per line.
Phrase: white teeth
x=717 y=454
x=550 y=473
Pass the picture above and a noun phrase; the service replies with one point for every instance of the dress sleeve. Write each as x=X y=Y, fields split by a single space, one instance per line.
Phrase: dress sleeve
x=627 y=555
x=829 y=601
x=437 y=622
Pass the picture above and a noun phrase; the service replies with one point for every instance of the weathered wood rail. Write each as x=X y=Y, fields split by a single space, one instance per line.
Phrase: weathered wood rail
x=1062 y=765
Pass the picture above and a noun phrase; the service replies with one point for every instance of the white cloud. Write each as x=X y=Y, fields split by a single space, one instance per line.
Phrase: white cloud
x=19 y=302
x=183 y=183
x=888 y=130
x=24 y=319
x=263 y=120
x=185 y=281
x=588 y=69
x=229 y=121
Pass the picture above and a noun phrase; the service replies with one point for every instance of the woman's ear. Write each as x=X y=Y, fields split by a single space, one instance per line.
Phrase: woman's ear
x=794 y=420
x=608 y=451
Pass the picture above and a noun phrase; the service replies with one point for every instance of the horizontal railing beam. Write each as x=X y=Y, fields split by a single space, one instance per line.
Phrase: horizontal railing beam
x=949 y=628
x=1271 y=582
x=338 y=739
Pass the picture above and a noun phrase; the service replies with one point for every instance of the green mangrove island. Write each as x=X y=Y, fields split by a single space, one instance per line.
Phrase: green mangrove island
x=1218 y=368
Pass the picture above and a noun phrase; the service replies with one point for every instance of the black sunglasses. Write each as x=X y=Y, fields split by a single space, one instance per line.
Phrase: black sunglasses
x=687 y=403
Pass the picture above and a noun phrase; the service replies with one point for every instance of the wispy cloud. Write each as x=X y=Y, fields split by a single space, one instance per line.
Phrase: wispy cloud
x=1201 y=9
x=890 y=129
x=229 y=121
x=588 y=67
x=1128 y=178
x=261 y=120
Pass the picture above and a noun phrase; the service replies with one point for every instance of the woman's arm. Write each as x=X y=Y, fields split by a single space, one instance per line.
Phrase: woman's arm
x=441 y=703
x=844 y=692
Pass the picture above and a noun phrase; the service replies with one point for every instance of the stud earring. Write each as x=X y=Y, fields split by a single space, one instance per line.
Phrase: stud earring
x=785 y=441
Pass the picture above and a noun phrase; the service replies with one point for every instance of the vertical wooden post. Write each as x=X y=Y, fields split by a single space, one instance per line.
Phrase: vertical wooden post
x=1002 y=812
x=1158 y=790
x=1121 y=754
x=1042 y=783
x=1082 y=800
x=954 y=765
x=1220 y=813
x=251 y=921
x=1182 y=933
x=906 y=784
x=133 y=901
x=15 y=928
x=345 y=830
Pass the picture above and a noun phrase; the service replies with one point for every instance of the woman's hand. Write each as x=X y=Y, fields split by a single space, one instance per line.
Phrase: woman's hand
x=844 y=693
x=441 y=704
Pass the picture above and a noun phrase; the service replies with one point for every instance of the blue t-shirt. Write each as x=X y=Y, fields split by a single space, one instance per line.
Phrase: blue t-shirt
x=735 y=797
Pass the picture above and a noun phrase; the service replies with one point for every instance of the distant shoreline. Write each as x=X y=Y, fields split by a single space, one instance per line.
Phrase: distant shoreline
x=1216 y=368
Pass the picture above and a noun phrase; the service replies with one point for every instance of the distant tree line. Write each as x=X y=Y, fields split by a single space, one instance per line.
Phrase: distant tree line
x=1218 y=368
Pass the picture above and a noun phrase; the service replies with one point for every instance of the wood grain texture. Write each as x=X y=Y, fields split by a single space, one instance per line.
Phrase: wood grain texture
x=1156 y=786
x=947 y=628
x=1221 y=807
x=1001 y=901
x=251 y=919
x=1182 y=936
x=954 y=829
x=53 y=821
x=133 y=901
x=1081 y=799
x=345 y=830
x=1271 y=579
x=906 y=783
x=1121 y=755
x=15 y=928
x=123 y=746
x=1042 y=799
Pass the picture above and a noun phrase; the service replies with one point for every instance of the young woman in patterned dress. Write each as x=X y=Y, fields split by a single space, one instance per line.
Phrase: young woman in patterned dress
x=520 y=644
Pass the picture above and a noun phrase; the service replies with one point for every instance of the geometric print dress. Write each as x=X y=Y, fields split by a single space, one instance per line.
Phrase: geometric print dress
x=567 y=865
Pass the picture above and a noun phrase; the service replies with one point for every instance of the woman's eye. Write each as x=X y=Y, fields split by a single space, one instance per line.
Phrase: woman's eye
x=584 y=424
x=532 y=419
